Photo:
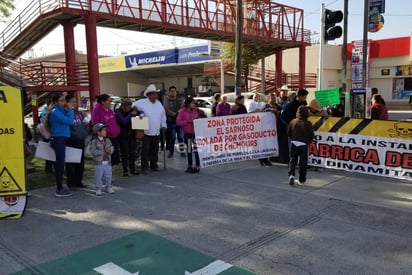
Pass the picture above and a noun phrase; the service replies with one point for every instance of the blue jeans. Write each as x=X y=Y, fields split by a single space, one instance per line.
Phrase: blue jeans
x=59 y=146
x=101 y=171
x=173 y=129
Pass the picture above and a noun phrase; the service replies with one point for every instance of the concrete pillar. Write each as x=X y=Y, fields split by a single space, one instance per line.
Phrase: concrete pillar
x=302 y=65
x=279 y=69
x=92 y=57
x=70 y=56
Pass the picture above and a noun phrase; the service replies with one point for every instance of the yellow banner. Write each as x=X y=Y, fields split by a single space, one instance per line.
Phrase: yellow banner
x=12 y=164
x=112 y=64
x=366 y=127
x=375 y=147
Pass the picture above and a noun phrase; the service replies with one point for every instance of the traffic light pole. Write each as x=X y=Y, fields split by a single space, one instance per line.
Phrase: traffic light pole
x=321 y=45
x=365 y=45
x=345 y=88
x=238 y=47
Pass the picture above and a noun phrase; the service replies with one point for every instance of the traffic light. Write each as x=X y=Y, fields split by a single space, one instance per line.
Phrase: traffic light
x=330 y=19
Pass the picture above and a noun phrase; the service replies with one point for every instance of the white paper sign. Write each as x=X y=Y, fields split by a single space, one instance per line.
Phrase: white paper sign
x=236 y=138
x=44 y=151
x=140 y=123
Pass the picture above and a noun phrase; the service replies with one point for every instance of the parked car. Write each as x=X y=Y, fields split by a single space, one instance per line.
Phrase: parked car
x=208 y=89
x=116 y=102
x=205 y=104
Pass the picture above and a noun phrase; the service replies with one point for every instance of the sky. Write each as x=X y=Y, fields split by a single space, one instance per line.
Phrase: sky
x=397 y=16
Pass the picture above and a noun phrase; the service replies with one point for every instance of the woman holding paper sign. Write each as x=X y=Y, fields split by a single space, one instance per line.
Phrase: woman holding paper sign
x=61 y=117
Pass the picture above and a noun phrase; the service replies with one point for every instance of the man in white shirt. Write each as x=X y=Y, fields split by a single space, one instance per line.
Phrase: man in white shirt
x=151 y=108
x=254 y=106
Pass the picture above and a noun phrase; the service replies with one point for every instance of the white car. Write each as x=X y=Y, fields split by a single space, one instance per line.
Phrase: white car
x=208 y=89
x=205 y=104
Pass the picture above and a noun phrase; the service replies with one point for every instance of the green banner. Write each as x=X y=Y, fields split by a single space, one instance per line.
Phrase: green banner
x=328 y=97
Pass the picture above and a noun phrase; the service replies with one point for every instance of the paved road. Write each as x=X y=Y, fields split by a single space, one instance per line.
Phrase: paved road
x=244 y=214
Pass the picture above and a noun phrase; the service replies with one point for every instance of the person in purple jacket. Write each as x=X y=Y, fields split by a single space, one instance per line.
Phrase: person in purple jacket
x=102 y=113
x=223 y=108
x=127 y=139
x=60 y=119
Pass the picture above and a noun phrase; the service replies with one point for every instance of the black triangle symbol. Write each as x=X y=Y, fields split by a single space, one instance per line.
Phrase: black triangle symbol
x=7 y=182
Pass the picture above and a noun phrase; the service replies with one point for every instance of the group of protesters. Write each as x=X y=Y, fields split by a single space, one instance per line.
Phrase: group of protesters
x=114 y=140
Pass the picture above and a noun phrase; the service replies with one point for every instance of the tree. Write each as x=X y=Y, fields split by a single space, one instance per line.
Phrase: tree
x=6 y=6
x=251 y=54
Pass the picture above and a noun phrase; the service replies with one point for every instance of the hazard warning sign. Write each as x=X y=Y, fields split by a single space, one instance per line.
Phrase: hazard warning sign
x=12 y=162
x=7 y=183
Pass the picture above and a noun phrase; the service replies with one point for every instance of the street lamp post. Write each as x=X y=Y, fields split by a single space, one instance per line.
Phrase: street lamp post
x=222 y=77
x=238 y=49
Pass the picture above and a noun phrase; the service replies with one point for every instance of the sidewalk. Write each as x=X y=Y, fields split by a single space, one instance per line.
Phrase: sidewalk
x=243 y=214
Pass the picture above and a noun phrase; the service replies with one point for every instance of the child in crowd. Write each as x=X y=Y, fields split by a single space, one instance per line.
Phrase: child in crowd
x=301 y=134
x=101 y=149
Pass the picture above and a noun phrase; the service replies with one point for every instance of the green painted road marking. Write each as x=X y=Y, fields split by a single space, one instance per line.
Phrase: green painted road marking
x=140 y=253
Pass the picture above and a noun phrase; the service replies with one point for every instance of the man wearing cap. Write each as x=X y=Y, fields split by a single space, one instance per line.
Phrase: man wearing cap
x=282 y=95
x=151 y=108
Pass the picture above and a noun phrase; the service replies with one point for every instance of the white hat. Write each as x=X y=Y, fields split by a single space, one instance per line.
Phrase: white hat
x=150 y=89
x=284 y=88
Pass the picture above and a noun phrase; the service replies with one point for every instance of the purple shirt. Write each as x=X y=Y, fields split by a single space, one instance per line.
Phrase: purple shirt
x=223 y=109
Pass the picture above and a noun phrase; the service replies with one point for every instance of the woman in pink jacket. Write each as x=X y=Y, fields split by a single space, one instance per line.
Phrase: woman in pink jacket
x=102 y=113
x=185 y=119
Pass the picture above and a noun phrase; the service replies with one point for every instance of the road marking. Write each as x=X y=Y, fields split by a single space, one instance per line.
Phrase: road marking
x=213 y=268
x=112 y=269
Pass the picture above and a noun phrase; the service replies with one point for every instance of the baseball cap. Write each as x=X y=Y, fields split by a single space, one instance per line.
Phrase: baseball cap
x=98 y=127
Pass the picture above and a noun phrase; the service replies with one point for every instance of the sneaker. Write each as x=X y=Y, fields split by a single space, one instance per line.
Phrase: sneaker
x=110 y=190
x=63 y=193
x=298 y=182
x=291 y=180
x=99 y=192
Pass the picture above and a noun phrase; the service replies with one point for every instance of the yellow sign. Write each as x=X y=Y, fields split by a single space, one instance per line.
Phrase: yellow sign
x=366 y=127
x=12 y=164
x=112 y=64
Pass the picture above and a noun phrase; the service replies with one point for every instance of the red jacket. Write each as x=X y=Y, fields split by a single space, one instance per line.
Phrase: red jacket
x=379 y=111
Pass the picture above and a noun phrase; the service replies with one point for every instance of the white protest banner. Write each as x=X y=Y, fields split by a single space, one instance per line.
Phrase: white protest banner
x=236 y=138
x=375 y=147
